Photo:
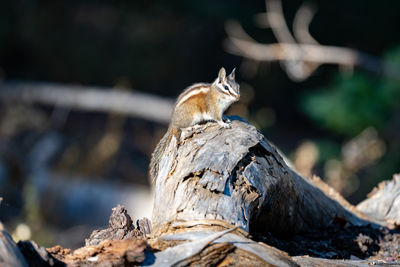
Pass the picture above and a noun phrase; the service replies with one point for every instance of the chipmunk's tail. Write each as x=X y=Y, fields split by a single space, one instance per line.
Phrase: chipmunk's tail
x=159 y=152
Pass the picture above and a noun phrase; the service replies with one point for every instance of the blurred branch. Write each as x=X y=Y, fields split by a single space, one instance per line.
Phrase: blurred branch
x=134 y=104
x=301 y=23
x=299 y=57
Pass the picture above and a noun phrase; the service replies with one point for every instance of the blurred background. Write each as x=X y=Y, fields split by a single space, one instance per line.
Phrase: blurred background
x=86 y=90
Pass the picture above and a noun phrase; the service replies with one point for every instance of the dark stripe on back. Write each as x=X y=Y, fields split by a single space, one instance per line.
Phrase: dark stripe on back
x=191 y=88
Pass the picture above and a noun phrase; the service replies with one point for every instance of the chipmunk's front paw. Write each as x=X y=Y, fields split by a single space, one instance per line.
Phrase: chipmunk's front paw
x=225 y=125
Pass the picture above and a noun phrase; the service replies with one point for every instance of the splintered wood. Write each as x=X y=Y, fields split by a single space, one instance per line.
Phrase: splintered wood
x=110 y=253
x=119 y=227
x=383 y=203
x=118 y=245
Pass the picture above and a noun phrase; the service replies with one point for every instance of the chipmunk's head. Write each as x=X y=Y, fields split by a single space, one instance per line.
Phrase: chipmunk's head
x=227 y=85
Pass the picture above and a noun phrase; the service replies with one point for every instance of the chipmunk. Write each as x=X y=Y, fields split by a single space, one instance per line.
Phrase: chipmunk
x=198 y=103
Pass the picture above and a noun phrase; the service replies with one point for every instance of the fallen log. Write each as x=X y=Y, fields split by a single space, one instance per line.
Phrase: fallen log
x=220 y=196
x=236 y=176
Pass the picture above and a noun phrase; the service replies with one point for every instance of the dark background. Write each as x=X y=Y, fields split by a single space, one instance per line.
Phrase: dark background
x=160 y=47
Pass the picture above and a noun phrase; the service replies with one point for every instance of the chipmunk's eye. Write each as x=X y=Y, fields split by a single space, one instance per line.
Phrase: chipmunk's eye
x=226 y=87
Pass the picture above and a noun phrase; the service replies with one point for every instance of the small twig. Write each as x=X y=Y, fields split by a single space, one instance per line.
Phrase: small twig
x=251 y=49
x=301 y=23
x=295 y=67
x=277 y=22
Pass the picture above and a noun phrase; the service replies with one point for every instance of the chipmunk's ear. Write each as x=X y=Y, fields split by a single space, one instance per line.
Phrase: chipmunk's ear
x=232 y=75
x=221 y=75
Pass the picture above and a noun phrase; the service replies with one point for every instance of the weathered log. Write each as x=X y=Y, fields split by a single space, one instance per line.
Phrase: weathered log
x=9 y=252
x=120 y=227
x=215 y=178
x=109 y=247
x=238 y=250
x=215 y=186
x=38 y=256
x=187 y=247
x=383 y=203
x=120 y=244
x=236 y=176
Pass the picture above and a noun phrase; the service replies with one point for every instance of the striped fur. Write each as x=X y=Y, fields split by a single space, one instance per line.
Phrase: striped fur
x=192 y=91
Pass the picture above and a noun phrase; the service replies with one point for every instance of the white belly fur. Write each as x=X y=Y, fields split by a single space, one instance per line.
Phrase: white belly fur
x=199 y=117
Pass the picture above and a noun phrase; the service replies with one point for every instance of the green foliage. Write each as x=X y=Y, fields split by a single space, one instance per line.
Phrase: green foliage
x=353 y=102
x=328 y=149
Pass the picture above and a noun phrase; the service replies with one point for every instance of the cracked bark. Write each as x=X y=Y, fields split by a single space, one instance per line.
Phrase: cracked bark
x=236 y=176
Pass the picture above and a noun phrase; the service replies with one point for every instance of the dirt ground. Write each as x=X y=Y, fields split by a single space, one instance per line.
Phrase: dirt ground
x=339 y=242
